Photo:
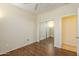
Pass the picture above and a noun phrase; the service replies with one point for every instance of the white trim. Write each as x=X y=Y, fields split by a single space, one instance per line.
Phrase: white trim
x=17 y=48
x=43 y=22
x=78 y=31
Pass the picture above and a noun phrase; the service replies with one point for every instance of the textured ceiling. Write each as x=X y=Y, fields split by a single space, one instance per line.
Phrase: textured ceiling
x=38 y=7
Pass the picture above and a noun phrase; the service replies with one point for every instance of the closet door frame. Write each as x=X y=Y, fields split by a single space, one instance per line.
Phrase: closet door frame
x=46 y=29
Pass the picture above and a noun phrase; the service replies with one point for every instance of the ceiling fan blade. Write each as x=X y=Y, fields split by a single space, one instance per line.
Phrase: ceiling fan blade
x=36 y=7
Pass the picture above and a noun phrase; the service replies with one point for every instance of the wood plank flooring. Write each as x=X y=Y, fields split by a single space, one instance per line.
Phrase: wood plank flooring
x=43 y=48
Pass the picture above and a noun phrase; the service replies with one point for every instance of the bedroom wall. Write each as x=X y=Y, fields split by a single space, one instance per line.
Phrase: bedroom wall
x=17 y=28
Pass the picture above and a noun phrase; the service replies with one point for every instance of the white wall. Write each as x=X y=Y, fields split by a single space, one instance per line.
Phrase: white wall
x=78 y=32
x=16 y=26
x=70 y=9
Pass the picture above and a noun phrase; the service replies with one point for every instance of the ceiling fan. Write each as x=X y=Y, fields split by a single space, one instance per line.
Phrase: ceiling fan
x=36 y=6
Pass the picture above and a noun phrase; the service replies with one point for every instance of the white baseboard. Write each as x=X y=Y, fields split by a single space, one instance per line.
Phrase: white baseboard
x=5 y=52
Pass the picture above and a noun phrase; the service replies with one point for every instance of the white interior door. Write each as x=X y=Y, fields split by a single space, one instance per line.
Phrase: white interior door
x=42 y=30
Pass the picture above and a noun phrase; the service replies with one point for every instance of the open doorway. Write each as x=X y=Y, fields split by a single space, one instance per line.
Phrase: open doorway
x=69 y=33
x=46 y=30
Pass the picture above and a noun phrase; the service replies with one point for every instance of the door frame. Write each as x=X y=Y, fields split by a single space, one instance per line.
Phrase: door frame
x=39 y=27
x=77 y=32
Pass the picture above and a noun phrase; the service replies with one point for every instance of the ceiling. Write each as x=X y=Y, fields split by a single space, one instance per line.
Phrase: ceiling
x=39 y=7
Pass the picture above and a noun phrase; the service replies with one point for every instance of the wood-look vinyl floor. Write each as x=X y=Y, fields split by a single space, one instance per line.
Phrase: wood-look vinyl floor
x=42 y=48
